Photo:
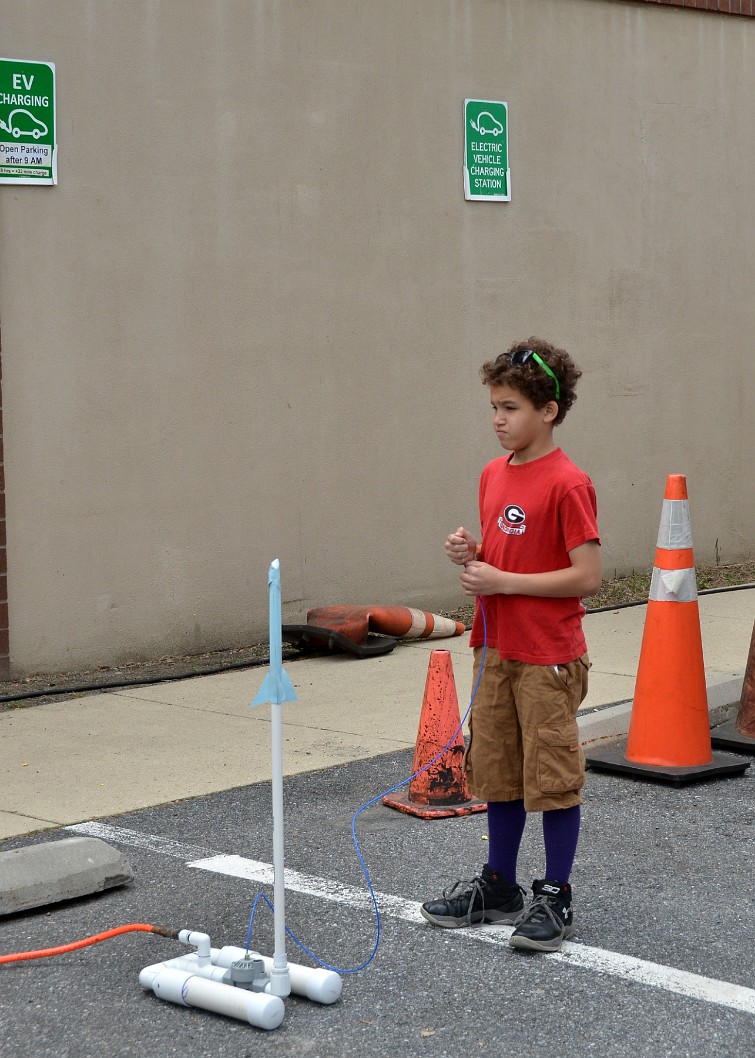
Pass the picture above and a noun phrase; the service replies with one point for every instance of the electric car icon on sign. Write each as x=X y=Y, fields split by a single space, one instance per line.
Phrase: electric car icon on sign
x=487 y=125
x=23 y=123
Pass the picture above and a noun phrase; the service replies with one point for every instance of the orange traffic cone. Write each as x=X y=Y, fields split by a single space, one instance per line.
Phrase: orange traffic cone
x=739 y=734
x=441 y=788
x=349 y=628
x=669 y=731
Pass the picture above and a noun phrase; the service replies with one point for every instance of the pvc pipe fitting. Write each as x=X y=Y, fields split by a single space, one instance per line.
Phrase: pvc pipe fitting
x=315 y=983
x=200 y=941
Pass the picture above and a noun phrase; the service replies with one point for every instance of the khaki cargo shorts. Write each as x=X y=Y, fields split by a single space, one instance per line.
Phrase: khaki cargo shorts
x=524 y=741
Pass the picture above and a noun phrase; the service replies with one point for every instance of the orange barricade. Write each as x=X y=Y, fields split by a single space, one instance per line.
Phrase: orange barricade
x=669 y=732
x=441 y=789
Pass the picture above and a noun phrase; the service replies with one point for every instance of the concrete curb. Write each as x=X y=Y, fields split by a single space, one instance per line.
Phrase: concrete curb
x=59 y=870
x=610 y=723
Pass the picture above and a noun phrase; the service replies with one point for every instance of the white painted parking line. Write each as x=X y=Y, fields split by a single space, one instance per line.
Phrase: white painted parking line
x=640 y=971
x=136 y=839
x=310 y=885
x=587 y=958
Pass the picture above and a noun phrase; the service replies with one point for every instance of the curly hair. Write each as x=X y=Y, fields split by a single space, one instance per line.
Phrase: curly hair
x=531 y=379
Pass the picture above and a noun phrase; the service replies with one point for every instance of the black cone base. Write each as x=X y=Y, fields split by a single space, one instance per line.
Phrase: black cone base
x=726 y=736
x=613 y=759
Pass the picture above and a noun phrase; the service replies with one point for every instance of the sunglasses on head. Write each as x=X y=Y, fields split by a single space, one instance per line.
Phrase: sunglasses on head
x=521 y=356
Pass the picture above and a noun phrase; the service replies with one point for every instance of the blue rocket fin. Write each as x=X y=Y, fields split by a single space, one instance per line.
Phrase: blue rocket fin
x=276 y=687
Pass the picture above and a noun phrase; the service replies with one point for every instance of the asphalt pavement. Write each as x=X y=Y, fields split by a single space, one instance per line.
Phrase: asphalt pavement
x=177 y=777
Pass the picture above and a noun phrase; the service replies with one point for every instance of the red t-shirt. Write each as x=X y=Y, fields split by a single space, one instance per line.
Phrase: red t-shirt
x=532 y=515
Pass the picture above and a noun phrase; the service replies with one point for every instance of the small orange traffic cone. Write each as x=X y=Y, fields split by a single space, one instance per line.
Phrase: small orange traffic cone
x=739 y=734
x=669 y=731
x=440 y=790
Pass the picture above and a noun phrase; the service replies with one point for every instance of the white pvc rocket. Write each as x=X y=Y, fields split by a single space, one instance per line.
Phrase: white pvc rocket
x=232 y=980
x=276 y=689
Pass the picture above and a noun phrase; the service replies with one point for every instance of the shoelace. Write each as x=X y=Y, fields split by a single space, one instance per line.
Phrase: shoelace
x=472 y=888
x=540 y=910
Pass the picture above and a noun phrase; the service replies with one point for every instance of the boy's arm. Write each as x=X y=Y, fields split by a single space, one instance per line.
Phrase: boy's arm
x=582 y=577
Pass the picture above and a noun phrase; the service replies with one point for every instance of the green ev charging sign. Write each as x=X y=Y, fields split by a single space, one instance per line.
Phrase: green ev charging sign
x=486 y=151
x=28 y=152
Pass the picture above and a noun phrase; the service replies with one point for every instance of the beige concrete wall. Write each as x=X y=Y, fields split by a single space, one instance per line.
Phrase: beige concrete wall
x=247 y=323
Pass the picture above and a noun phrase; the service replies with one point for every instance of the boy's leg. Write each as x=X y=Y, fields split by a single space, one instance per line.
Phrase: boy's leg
x=506 y=820
x=493 y=895
x=549 y=920
x=560 y=835
x=554 y=774
x=494 y=756
x=494 y=774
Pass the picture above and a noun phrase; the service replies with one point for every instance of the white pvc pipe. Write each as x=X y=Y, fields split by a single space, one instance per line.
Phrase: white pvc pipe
x=187 y=963
x=188 y=990
x=280 y=978
x=313 y=982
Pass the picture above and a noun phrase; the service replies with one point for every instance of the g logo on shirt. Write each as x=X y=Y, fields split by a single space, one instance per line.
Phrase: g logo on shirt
x=512 y=521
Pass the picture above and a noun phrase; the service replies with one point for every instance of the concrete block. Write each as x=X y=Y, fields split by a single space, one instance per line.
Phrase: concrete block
x=36 y=875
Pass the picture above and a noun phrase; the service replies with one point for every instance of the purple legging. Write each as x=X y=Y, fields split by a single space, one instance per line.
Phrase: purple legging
x=506 y=820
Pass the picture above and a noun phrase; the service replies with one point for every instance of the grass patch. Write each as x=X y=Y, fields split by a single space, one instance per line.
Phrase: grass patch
x=635 y=586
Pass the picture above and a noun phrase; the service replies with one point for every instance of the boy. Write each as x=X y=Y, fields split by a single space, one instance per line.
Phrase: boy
x=540 y=553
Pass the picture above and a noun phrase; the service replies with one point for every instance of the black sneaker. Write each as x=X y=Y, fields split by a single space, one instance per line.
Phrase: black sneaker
x=548 y=920
x=486 y=898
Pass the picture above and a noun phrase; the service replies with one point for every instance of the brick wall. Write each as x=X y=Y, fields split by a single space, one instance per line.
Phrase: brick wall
x=721 y=7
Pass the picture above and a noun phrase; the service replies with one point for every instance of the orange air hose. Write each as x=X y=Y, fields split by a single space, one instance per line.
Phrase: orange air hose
x=133 y=927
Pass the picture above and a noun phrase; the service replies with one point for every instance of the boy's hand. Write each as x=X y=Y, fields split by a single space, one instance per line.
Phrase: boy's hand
x=461 y=546
x=479 y=578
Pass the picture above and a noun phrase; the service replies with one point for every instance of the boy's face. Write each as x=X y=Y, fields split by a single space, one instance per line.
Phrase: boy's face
x=520 y=426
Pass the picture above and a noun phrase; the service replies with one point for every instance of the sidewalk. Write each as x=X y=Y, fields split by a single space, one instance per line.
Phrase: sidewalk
x=131 y=748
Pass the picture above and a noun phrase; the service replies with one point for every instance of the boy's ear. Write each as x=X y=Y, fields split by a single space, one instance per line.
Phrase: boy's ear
x=551 y=411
